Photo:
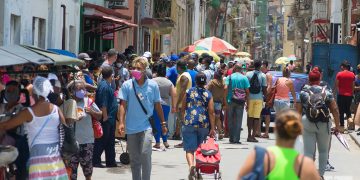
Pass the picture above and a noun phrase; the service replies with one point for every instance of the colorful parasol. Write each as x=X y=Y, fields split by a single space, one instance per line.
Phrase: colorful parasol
x=216 y=45
x=243 y=54
x=211 y=53
x=282 y=60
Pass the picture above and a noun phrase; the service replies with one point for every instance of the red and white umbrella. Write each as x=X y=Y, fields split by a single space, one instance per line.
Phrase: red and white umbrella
x=216 y=45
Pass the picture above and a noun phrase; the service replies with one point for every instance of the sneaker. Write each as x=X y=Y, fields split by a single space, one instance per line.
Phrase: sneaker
x=179 y=145
x=329 y=167
x=98 y=166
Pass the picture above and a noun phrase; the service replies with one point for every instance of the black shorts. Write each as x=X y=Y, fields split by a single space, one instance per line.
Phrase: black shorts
x=266 y=111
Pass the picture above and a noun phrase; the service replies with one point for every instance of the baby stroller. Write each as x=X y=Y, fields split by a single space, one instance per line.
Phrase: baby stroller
x=208 y=160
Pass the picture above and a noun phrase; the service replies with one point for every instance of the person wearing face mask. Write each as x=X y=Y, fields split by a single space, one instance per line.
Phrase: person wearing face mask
x=139 y=97
x=10 y=107
x=84 y=131
x=108 y=105
x=121 y=71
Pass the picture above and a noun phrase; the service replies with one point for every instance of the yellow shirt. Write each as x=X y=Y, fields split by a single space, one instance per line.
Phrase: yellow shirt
x=178 y=86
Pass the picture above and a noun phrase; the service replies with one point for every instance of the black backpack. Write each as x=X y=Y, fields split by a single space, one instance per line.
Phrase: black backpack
x=317 y=110
x=255 y=86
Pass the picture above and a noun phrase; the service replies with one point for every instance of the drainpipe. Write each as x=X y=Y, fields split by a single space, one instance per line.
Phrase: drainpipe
x=64 y=26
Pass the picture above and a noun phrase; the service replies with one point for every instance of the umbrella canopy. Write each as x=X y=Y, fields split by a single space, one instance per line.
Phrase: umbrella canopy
x=292 y=57
x=244 y=54
x=8 y=59
x=211 y=53
x=58 y=59
x=25 y=54
x=63 y=52
x=216 y=45
x=247 y=60
x=192 y=48
x=282 y=60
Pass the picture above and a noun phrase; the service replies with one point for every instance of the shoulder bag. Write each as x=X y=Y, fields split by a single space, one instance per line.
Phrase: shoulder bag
x=151 y=119
x=271 y=96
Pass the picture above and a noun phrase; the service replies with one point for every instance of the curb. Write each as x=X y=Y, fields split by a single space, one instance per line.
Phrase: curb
x=353 y=137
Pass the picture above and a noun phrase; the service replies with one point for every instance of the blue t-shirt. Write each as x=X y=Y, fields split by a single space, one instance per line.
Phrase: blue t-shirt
x=149 y=94
x=193 y=74
x=88 y=79
x=172 y=74
x=262 y=80
x=105 y=98
x=237 y=81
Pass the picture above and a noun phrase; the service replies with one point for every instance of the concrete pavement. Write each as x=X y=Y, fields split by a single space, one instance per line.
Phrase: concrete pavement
x=171 y=164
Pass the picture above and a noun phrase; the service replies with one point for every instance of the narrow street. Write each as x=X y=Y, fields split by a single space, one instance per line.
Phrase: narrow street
x=171 y=164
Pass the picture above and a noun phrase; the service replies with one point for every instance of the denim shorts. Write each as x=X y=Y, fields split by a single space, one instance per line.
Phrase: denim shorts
x=217 y=109
x=193 y=137
x=281 y=104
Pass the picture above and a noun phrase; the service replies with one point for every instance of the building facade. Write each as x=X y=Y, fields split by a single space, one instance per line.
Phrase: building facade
x=40 y=23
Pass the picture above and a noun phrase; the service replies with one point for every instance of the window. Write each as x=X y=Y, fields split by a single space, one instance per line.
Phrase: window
x=39 y=32
x=15 y=28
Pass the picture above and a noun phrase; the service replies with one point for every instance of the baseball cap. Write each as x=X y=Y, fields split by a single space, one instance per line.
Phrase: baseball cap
x=147 y=54
x=84 y=56
x=174 y=57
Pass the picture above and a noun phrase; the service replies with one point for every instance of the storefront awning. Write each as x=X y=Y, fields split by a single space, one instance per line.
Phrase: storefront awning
x=105 y=15
x=157 y=23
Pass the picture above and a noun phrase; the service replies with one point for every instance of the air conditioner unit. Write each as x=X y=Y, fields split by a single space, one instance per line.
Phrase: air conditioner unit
x=118 y=4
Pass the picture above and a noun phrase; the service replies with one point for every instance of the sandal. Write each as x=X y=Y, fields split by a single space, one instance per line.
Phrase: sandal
x=265 y=136
x=166 y=145
x=156 y=146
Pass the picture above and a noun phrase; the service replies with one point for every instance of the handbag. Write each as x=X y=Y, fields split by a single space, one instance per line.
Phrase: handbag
x=97 y=128
x=271 y=96
x=238 y=95
x=151 y=119
x=257 y=172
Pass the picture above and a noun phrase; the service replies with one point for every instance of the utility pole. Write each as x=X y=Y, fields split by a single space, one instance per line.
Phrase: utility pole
x=196 y=25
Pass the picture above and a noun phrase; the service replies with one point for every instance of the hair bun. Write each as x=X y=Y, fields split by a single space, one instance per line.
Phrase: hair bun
x=293 y=128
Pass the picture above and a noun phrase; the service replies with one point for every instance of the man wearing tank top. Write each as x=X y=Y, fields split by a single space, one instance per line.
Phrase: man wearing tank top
x=183 y=83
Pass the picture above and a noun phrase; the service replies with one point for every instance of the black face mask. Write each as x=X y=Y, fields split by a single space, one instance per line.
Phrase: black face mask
x=25 y=82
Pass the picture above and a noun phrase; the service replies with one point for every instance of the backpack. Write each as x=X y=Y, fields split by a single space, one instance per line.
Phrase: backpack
x=257 y=172
x=255 y=86
x=317 y=110
x=238 y=95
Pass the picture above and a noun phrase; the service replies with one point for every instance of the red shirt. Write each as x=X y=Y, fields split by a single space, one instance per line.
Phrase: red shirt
x=229 y=71
x=346 y=80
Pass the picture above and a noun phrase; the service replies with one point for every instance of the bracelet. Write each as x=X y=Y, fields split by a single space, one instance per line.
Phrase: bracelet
x=163 y=123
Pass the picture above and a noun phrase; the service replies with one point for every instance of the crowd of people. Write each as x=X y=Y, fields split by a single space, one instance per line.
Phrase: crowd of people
x=184 y=97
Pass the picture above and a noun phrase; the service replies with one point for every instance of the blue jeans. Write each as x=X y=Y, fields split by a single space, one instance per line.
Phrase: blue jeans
x=281 y=104
x=235 y=116
x=193 y=137
x=166 y=110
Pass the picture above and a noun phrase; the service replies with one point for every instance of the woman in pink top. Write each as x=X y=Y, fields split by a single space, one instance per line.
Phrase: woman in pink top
x=284 y=85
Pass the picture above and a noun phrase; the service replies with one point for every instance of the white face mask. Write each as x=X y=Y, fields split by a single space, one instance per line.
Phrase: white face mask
x=119 y=65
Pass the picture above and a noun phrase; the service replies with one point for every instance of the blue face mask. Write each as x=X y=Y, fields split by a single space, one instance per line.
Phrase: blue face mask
x=80 y=94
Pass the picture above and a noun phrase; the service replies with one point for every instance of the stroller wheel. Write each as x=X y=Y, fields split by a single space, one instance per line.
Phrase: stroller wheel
x=125 y=158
